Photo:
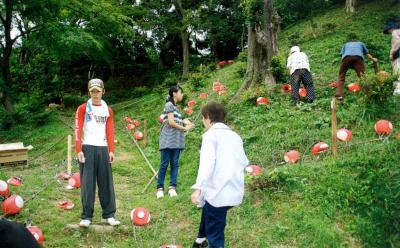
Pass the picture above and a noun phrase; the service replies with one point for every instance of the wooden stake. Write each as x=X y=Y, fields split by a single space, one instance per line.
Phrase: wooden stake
x=145 y=133
x=334 y=127
x=69 y=158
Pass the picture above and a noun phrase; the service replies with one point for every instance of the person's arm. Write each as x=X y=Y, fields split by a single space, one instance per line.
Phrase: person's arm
x=79 y=120
x=207 y=165
x=110 y=134
x=173 y=124
x=370 y=57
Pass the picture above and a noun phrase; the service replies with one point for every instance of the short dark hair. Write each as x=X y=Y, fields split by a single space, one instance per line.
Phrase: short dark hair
x=214 y=111
x=172 y=90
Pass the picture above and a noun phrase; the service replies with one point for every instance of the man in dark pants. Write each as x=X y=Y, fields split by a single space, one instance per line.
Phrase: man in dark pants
x=300 y=72
x=352 y=58
x=95 y=154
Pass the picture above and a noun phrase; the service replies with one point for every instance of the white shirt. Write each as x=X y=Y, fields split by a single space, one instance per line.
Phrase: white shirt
x=221 y=171
x=298 y=60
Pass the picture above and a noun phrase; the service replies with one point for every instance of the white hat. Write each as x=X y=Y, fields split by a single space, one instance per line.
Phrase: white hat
x=294 y=49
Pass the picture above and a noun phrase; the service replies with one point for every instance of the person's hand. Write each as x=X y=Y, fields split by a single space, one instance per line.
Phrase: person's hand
x=391 y=57
x=112 y=157
x=188 y=127
x=195 y=197
x=375 y=60
x=186 y=121
x=81 y=157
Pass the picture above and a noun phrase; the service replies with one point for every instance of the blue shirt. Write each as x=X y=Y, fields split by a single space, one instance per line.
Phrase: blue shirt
x=354 y=48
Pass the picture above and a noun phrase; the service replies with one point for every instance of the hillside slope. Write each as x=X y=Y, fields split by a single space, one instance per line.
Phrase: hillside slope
x=351 y=201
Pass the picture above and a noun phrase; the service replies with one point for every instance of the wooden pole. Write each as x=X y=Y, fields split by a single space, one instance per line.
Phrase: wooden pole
x=145 y=132
x=69 y=158
x=334 y=127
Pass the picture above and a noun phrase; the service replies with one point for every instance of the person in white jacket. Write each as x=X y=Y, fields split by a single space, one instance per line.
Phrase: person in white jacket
x=220 y=179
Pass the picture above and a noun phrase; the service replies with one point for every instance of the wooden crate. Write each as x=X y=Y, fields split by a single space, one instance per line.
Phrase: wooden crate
x=13 y=154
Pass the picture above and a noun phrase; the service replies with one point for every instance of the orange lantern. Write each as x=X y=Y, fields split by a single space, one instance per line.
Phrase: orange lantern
x=292 y=156
x=286 y=88
x=37 y=233
x=344 y=135
x=253 y=170
x=140 y=216
x=262 y=101
x=15 y=181
x=136 y=123
x=302 y=92
x=65 y=205
x=13 y=205
x=75 y=181
x=191 y=103
x=354 y=87
x=203 y=95
x=138 y=135
x=319 y=148
x=131 y=126
x=4 y=189
x=188 y=110
x=383 y=127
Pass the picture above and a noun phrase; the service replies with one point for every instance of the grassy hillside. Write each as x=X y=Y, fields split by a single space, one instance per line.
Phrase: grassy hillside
x=351 y=201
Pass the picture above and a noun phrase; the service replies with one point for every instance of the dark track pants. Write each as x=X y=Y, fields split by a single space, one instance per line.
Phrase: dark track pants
x=304 y=76
x=97 y=168
x=212 y=225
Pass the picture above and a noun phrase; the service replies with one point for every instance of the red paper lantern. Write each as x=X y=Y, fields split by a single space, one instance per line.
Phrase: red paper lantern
x=216 y=83
x=65 y=205
x=140 y=216
x=161 y=118
x=131 y=126
x=75 y=181
x=334 y=84
x=191 y=103
x=138 y=135
x=37 y=233
x=128 y=119
x=262 y=101
x=13 y=205
x=230 y=61
x=222 y=63
x=15 y=181
x=354 y=87
x=63 y=175
x=302 y=92
x=319 y=147
x=188 y=110
x=344 y=135
x=203 y=95
x=292 y=156
x=136 y=123
x=254 y=170
x=4 y=189
x=286 y=88
x=383 y=127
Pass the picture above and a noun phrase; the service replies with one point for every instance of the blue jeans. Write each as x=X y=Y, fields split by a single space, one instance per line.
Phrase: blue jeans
x=168 y=156
x=212 y=225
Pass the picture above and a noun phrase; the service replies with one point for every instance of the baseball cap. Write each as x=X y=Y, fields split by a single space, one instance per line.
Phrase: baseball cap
x=95 y=83
x=294 y=49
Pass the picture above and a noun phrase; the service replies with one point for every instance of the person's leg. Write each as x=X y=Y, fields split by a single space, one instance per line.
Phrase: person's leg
x=215 y=222
x=396 y=72
x=88 y=182
x=342 y=77
x=306 y=78
x=175 y=153
x=105 y=183
x=359 y=67
x=295 y=83
x=165 y=158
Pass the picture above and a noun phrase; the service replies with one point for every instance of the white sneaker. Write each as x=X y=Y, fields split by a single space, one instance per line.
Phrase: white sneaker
x=111 y=221
x=160 y=193
x=172 y=192
x=85 y=223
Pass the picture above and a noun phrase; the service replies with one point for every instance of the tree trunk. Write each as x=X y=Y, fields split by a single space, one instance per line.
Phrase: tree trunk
x=185 y=47
x=5 y=60
x=185 y=38
x=350 y=6
x=262 y=46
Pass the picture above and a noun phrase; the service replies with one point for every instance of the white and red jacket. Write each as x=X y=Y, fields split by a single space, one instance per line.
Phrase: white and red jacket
x=97 y=125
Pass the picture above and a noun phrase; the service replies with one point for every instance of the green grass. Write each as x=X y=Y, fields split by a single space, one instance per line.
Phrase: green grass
x=351 y=201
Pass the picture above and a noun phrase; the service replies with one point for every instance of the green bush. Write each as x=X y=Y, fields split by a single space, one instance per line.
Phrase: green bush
x=278 y=69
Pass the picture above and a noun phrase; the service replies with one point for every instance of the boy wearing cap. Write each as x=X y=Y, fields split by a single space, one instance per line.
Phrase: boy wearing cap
x=352 y=58
x=220 y=180
x=299 y=68
x=95 y=154
x=394 y=29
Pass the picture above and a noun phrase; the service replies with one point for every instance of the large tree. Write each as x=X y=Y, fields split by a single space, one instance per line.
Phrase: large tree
x=263 y=26
x=350 y=6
